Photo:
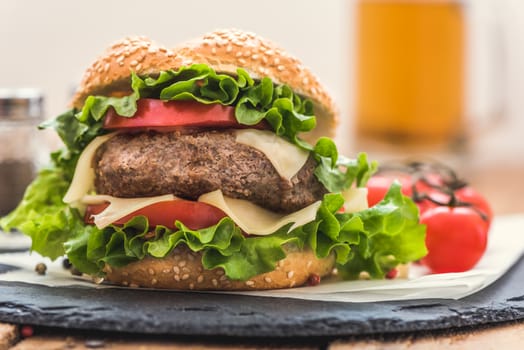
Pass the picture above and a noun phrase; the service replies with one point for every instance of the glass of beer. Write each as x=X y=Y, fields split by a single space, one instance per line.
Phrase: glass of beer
x=410 y=71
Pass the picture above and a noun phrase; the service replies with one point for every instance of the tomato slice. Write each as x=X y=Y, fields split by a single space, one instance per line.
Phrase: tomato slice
x=176 y=115
x=195 y=215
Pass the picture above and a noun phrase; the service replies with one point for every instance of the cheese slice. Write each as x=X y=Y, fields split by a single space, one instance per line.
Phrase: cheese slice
x=249 y=217
x=120 y=207
x=355 y=199
x=286 y=157
x=84 y=176
x=255 y=220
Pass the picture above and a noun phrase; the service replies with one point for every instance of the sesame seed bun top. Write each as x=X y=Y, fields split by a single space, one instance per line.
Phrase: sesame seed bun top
x=224 y=51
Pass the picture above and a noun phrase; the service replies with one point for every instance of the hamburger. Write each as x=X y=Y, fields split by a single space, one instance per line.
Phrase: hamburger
x=210 y=166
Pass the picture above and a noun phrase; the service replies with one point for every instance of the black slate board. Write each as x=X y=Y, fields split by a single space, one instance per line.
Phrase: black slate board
x=220 y=315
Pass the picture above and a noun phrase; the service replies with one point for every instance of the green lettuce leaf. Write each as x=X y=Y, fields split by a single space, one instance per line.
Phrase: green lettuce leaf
x=43 y=216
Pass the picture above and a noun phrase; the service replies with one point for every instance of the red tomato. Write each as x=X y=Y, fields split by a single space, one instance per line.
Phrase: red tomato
x=456 y=238
x=469 y=195
x=378 y=185
x=157 y=114
x=432 y=199
x=195 y=215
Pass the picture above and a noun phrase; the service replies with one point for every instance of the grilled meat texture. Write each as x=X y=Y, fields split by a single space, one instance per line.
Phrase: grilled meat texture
x=188 y=165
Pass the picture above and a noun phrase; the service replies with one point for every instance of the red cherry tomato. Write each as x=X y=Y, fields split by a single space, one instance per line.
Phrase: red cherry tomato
x=195 y=215
x=469 y=195
x=431 y=199
x=175 y=115
x=378 y=185
x=456 y=238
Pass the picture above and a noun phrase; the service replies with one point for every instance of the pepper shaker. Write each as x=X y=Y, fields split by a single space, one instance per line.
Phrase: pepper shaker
x=21 y=110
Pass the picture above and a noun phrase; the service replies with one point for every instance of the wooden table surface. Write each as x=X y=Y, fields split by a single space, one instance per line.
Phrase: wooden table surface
x=502 y=185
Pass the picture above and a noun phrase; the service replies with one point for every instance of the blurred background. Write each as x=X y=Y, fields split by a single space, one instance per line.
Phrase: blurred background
x=437 y=78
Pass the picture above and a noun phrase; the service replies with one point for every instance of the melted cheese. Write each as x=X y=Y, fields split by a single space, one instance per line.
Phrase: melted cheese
x=84 y=176
x=255 y=220
x=120 y=207
x=286 y=157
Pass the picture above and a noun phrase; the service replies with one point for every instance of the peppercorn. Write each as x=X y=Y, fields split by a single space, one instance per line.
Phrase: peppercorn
x=41 y=268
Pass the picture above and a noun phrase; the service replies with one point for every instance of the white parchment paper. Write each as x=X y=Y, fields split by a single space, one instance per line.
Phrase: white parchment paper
x=505 y=247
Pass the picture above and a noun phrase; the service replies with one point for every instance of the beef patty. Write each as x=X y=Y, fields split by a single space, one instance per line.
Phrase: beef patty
x=188 y=165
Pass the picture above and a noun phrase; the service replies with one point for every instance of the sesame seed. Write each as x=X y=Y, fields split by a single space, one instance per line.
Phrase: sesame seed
x=264 y=59
x=190 y=257
x=120 y=63
x=255 y=57
x=166 y=271
x=238 y=54
x=191 y=286
x=250 y=283
x=125 y=273
x=290 y=274
x=229 y=48
x=220 y=272
x=309 y=263
x=151 y=271
x=176 y=269
x=182 y=263
x=152 y=50
x=247 y=53
x=185 y=277
x=305 y=80
x=214 y=281
x=213 y=50
x=106 y=67
x=242 y=61
x=313 y=90
x=120 y=59
x=186 y=269
x=280 y=68
x=170 y=54
x=133 y=285
x=200 y=279
x=125 y=283
x=292 y=284
x=139 y=66
x=223 y=278
x=154 y=281
x=177 y=278
x=267 y=279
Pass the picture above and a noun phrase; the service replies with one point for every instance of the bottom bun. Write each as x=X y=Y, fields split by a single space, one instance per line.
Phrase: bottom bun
x=182 y=269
